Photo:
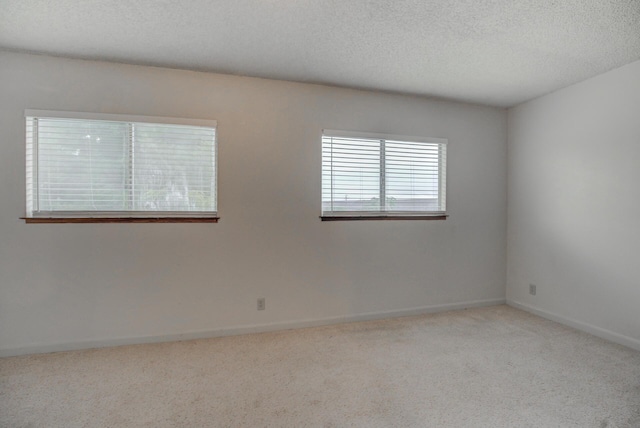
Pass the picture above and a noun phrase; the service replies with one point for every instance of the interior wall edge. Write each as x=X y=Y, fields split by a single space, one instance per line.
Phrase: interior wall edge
x=246 y=329
x=602 y=333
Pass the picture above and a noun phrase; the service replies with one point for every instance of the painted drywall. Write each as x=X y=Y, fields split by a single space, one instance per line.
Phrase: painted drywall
x=75 y=285
x=574 y=205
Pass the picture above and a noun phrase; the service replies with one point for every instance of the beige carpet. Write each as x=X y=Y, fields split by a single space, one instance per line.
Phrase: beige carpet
x=488 y=367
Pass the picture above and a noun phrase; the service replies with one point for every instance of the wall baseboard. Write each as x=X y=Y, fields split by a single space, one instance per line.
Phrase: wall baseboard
x=247 y=329
x=611 y=336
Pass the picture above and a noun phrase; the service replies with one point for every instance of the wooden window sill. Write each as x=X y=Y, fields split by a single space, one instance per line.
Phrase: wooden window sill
x=395 y=217
x=120 y=219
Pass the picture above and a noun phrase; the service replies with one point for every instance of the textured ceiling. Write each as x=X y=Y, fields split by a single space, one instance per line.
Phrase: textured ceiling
x=495 y=52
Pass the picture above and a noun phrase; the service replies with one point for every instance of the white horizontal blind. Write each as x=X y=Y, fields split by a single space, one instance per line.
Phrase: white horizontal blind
x=173 y=168
x=379 y=175
x=95 y=167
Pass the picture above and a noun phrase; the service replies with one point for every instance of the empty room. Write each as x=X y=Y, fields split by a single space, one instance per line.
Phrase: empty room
x=363 y=213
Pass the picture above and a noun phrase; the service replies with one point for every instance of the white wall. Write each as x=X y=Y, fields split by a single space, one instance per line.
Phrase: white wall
x=574 y=205
x=76 y=285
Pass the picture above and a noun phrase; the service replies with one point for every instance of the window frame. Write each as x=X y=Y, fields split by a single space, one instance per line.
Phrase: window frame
x=31 y=173
x=388 y=215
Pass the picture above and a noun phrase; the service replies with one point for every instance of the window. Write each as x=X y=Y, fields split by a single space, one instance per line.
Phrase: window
x=98 y=166
x=373 y=176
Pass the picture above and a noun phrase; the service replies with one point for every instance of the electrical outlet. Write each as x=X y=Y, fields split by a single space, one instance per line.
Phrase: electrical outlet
x=261 y=303
x=532 y=289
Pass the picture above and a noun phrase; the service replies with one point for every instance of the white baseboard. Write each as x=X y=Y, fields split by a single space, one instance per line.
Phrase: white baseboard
x=247 y=329
x=578 y=325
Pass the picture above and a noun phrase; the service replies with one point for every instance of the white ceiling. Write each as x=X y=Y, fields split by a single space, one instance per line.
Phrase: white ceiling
x=495 y=52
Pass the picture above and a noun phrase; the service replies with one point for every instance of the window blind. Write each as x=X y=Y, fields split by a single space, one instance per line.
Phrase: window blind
x=372 y=174
x=100 y=167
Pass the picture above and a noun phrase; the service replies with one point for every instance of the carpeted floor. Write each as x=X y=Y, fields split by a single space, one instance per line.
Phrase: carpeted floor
x=488 y=367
